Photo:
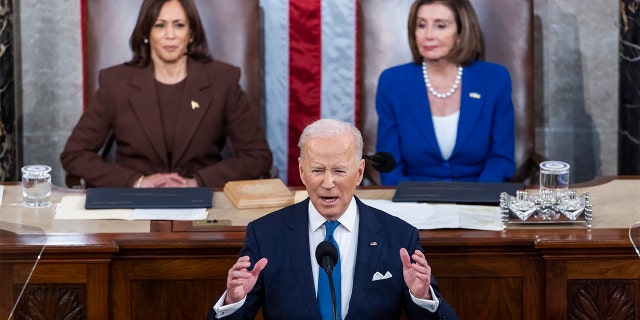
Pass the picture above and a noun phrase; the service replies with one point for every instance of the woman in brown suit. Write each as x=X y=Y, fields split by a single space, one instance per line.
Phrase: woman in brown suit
x=170 y=110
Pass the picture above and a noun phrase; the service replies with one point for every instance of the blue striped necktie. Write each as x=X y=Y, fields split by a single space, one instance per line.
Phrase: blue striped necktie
x=324 y=292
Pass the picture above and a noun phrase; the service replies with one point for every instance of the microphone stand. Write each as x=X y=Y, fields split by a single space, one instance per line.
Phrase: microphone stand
x=333 y=294
x=328 y=256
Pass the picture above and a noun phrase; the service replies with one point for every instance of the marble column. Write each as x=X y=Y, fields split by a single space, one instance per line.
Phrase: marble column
x=8 y=154
x=629 y=113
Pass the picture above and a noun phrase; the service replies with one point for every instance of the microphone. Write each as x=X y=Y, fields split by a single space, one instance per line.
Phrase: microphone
x=381 y=161
x=327 y=257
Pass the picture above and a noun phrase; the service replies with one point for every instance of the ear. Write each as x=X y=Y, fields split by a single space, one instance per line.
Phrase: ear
x=301 y=171
x=361 y=171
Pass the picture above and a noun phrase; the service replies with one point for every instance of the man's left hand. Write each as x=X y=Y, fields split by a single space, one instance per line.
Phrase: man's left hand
x=417 y=275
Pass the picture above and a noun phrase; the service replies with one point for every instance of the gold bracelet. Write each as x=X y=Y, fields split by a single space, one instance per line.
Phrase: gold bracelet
x=139 y=182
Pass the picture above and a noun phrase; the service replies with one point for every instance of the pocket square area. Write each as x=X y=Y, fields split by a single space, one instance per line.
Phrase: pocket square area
x=379 y=276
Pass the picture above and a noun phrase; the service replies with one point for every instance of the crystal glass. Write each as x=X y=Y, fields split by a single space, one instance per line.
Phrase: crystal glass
x=522 y=205
x=554 y=175
x=571 y=205
x=36 y=186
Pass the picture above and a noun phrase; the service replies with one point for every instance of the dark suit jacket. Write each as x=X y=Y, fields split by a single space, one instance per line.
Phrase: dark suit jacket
x=213 y=107
x=285 y=288
x=484 y=147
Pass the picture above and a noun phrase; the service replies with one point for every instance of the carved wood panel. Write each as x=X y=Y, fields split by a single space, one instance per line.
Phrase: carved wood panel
x=600 y=299
x=52 y=301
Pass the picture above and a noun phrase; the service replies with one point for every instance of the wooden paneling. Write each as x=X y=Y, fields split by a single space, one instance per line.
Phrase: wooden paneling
x=40 y=301
x=600 y=299
x=496 y=282
x=77 y=290
x=167 y=288
x=517 y=274
x=172 y=299
x=484 y=298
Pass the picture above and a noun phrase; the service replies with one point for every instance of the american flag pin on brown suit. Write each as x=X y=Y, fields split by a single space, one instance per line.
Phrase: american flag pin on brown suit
x=194 y=105
x=373 y=244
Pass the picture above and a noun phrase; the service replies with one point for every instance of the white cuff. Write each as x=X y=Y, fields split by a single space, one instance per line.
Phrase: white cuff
x=221 y=310
x=431 y=305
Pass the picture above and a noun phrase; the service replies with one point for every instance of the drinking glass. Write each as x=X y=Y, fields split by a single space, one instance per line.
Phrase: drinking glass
x=36 y=186
x=554 y=175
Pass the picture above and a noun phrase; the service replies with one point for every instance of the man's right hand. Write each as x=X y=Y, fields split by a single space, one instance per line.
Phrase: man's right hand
x=240 y=281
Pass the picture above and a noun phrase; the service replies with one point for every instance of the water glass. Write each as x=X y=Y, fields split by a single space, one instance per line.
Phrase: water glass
x=554 y=175
x=36 y=186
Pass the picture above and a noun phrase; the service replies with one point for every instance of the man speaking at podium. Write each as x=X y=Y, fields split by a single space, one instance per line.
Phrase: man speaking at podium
x=380 y=270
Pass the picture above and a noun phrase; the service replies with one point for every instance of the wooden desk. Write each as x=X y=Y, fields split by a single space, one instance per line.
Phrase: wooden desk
x=521 y=273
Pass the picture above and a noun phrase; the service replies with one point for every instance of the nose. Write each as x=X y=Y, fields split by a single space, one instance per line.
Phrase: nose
x=171 y=32
x=327 y=181
x=428 y=33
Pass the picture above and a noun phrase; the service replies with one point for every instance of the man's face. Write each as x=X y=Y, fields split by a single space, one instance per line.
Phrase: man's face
x=331 y=173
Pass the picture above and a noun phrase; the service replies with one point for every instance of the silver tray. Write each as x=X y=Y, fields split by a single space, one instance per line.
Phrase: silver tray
x=546 y=207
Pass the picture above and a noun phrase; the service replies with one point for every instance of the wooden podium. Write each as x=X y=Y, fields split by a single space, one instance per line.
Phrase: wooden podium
x=549 y=272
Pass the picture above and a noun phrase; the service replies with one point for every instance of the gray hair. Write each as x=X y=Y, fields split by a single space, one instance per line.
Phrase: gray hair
x=328 y=128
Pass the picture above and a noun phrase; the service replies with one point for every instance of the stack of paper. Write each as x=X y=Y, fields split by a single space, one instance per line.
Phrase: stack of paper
x=426 y=216
x=72 y=207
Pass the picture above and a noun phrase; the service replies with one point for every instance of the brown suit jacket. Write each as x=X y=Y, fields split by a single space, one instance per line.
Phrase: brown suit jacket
x=213 y=107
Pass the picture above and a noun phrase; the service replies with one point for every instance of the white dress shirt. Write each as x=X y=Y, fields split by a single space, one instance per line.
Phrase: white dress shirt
x=346 y=236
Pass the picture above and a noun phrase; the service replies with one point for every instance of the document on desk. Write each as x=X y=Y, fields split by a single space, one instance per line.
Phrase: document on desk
x=149 y=198
x=473 y=193
x=170 y=214
x=72 y=207
x=425 y=216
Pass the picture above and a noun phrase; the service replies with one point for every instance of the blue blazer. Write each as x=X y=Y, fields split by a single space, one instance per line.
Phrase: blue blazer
x=285 y=288
x=484 y=147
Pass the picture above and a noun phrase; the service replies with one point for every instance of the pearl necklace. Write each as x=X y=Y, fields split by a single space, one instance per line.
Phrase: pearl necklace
x=433 y=91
